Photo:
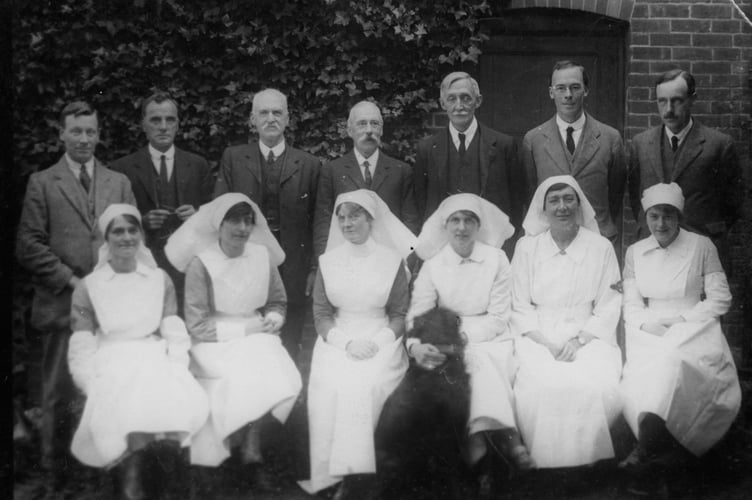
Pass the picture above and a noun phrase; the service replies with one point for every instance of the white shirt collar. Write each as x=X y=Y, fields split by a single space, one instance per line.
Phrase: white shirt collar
x=278 y=149
x=469 y=133
x=108 y=273
x=156 y=154
x=680 y=245
x=372 y=160
x=682 y=133
x=76 y=166
x=578 y=124
x=576 y=249
x=477 y=256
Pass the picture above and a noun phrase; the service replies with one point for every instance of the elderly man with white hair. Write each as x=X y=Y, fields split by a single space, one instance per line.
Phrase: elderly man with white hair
x=468 y=157
x=365 y=167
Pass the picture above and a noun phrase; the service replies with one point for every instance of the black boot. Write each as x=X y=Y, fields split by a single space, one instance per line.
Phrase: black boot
x=131 y=477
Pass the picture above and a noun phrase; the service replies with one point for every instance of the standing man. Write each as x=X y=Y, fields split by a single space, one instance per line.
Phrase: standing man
x=468 y=157
x=58 y=243
x=282 y=181
x=702 y=161
x=365 y=167
x=169 y=184
x=574 y=143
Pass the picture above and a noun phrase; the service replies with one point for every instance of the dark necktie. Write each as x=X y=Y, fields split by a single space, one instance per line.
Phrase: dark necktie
x=163 y=177
x=270 y=159
x=674 y=143
x=367 y=174
x=84 y=178
x=462 y=148
x=570 y=140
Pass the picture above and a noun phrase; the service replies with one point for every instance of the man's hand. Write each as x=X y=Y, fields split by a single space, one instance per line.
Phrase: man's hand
x=185 y=211
x=155 y=218
x=427 y=356
x=361 y=349
x=310 y=280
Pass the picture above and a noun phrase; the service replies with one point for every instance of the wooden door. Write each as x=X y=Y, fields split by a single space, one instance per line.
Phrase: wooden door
x=515 y=69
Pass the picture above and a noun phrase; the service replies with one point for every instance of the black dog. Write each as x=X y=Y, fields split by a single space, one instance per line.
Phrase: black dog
x=422 y=429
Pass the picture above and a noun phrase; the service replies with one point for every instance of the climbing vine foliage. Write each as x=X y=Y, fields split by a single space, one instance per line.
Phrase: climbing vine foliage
x=213 y=55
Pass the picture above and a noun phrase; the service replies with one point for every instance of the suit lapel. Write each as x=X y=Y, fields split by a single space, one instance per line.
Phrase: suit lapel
x=182 y=173
x=145 y=174
x=439 y=158
x=381 y=172
x=353 y=170
x=252 y=162
x=102 y=181
x=588 y=146
x=71 y=189
x=486 y=153
x=691 y=149
x=554 y=148
x=654 y=152
x=290 y=166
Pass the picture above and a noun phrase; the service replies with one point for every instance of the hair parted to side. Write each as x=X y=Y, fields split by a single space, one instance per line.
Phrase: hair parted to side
x=76 y=109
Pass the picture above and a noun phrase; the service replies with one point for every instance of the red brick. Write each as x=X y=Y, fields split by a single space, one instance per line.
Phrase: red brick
x=725 y=26
x=669 y=10
x=640 y=11
x=658 y=67
x=700 y=107
x=704 y=11
x=715 y=40
x=690 y=26
x=651 y=53
x=740 y=67
x=639 y=67
x=640 y=39
x=721 y=107
x=670 y=40
x=642 y=121
x=727 y=54
x=714 y=94
x=711 y=67
x=726 y=80
x=639 y=93
x=743 y=40
x=640 y=80
x=701 y=80
x=692 y=53
x=643 y=107
x=651 y=25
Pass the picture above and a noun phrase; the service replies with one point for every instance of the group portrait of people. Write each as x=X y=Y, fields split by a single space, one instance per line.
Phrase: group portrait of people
x=172 y=299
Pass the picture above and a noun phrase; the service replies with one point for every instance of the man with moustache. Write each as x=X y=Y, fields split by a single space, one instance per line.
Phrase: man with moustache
x=574 y=143
x=58 y=243
x=702 y=161
x=365 y=167
x=282 y=181
x=169 y=183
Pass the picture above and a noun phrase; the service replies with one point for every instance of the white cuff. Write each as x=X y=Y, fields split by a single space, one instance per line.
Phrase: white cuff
x=337 y=338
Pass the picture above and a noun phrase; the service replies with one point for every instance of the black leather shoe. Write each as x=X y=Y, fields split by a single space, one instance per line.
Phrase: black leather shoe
x=131 y=480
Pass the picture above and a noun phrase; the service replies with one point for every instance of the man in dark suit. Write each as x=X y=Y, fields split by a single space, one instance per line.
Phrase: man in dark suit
x=468 y=157
x=365 y=167
x=282 y=181
x=169 y=183
x=58 y=243
x=574 y=143
x=702 y=161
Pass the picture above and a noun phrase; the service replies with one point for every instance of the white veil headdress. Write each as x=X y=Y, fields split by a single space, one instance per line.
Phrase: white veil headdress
x=386 y=228
x=201 y=231
x=536 y=221
x=494 y=229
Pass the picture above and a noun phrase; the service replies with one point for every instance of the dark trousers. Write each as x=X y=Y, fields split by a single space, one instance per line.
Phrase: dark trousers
x=291 y=334
x=58 y=402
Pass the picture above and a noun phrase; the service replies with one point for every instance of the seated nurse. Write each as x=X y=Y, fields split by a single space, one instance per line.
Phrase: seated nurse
x=466 y=271
x=235 y=306
x=359 y=303
x=680 y=385
x=565 y=311
x=129 y=355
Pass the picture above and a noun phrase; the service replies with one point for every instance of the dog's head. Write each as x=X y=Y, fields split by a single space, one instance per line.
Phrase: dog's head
x=441 y=328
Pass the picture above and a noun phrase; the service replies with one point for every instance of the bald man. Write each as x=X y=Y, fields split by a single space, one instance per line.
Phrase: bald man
x=365 y=167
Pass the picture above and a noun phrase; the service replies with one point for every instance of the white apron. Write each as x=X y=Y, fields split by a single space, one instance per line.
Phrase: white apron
x=137 y=388
x=244 y=376
x=345 y=397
